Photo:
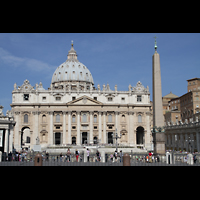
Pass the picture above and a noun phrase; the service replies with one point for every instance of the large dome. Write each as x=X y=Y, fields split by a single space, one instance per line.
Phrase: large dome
x=72 y=70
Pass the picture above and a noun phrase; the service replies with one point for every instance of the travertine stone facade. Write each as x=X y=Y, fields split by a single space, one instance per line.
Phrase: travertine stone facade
x=73 y=111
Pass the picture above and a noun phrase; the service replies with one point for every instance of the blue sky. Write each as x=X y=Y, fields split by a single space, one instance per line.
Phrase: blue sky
x=114 y=58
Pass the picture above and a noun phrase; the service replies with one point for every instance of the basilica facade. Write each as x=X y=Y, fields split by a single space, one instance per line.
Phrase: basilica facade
x=73 y=111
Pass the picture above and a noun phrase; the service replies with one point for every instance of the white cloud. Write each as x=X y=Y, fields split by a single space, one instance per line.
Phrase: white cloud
x=30 y=63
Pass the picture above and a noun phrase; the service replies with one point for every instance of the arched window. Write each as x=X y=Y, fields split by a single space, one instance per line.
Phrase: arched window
x=25 y=118
x=44 y=119
x=123 y=118
x=139 y=118
x=109 y=118
x=57 y=118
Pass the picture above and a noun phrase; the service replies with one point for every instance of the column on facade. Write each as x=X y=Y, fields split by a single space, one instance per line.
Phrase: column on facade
x=100 y=138
x=50 y=137
x=116 y=126
x=91 y=127
x=134 y=130
x=69 y=128
x=131 y=129
x=64 y=127
x=104 y=127
x=6 y=141
x=36 y=134
x=78 y=128
x=148 y=132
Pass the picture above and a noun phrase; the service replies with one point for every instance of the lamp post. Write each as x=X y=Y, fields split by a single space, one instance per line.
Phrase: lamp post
x=116 y=137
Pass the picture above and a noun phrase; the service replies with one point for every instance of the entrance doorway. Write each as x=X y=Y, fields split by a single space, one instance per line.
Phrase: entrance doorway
x=140 y=135
x=73 y=140
x=110 y=138
x=57 y=138
x=84 y=138
x=95 y=140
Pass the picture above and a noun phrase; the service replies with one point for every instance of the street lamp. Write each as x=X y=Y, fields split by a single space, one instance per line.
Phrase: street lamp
x=116 y=137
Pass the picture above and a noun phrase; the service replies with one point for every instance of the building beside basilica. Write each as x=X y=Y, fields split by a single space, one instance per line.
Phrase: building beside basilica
x=73 y=111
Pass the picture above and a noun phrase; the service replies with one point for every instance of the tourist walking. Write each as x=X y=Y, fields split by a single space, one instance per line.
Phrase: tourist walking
x=115 y=155
x=111 y=157
x=88 y=155
x=77 y=155
x=68 y=155
x=97 y=154
x=60 y=157
x=121 y=155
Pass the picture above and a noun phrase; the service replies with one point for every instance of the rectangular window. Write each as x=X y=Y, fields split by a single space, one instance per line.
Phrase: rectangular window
x=25 y=118
x=110 y=98
x=139 y=118
x=44 y=98
x=95 y=119
x=73 y=98
x=110 y=118
x=58 y=98
x=73 y=119
x=95 y=98
x=84 y=118
x=26 y=97
x=58 y=118
x=139 y=98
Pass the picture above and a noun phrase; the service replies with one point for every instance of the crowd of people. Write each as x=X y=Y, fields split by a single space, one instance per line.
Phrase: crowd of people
x=24 y=155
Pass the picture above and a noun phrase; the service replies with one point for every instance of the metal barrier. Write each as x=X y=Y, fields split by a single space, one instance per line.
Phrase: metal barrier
x=139 y=159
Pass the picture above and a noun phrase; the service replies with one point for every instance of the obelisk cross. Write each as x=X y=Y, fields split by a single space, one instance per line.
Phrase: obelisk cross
x=155 y=39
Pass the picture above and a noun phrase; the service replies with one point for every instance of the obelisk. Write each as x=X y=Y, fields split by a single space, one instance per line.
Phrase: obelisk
x=158 y=119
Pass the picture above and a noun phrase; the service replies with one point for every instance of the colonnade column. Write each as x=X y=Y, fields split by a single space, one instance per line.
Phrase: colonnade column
x=197 y=141
x=91 y=127
x=51 y=128
x=6 y=141
x=16 y=140
x=78 y=128
x=69 y=128
x=11 y=138
x=100 y=139
x=64 y=127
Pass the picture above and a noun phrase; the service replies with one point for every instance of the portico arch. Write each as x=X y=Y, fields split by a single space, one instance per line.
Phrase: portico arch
x=25 y=137
x=140 y=135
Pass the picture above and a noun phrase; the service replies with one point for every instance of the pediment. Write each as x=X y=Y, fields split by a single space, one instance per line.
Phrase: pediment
x=85 y=100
